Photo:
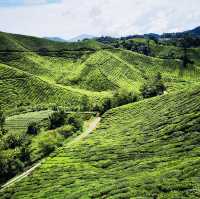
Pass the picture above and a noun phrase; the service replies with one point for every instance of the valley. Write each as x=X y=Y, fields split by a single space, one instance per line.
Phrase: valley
x=99 y=118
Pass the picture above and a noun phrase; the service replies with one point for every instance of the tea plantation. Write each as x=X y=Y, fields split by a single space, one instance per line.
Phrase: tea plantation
x=143 y=148
x=151 y=150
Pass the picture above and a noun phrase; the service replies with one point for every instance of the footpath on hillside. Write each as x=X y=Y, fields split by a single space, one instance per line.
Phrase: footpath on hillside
x=92 y=124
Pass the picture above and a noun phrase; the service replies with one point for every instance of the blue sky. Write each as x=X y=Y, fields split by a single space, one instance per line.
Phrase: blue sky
x=69 y=18
x=16 y=3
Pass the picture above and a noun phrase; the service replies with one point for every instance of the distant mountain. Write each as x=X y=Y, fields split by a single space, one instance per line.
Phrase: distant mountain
x=81 y=37
x=194 y=32
x=55 y=39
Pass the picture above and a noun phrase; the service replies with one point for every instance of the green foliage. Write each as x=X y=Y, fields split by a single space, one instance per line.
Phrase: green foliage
x=10 y=164
x=20 y=122
x=12 y=140
x=76 y=121
x=146 y=149
x=66 y=130
x=57 y=119
x=122 y=97
x=48 y=142
x=2 y=119
x=33 y=128
x=154 y=87
x=14 y=154
x=29 y=148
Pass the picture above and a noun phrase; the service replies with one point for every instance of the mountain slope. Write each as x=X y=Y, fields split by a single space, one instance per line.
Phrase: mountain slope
x=55 y=39
x=194 y=32
x=81 y=38
x=86 y=68
x=19 y=87
x=151 y=150
x=15 y=42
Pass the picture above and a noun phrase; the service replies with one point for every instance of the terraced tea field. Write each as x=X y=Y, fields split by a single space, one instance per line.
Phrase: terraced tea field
x=33 y=78
x=150 y=150
x=21 y=121
x=147 y=149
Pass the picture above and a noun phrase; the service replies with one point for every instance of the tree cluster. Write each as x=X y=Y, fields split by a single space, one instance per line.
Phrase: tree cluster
x=153 y=87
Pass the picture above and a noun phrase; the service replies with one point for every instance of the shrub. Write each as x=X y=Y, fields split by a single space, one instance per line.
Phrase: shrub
x=33 y=128
x=10 y=164
x=153 y=88
x=47 y=147
x=2 y=120
x=122 y=97
x=76 y=121
x=48 y=142
x=57 y=119
x=11 y=141
x=65 y=131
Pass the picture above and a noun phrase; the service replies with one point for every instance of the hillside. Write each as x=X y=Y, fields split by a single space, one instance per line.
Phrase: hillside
x=69 y=72
x=29 y=76
x=117 y=68
x=14 y=42
x=21 y=88
x=150 y=150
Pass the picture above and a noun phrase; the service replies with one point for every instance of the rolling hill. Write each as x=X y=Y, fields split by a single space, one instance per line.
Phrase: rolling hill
x=21 y=56
x=151 y=150
x=80 y=69
x=146 y=149
x=18 y=87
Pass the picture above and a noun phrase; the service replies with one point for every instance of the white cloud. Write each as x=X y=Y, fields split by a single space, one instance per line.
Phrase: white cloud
x=101 y=17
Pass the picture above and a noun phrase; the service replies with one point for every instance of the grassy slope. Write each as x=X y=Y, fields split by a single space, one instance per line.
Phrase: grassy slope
x=14 y=42
x=117 y=68
x=175 y=77
x=20 y=122
x=151 y=149
x=42 y=72
x=162 y=51
x=105 y=71
x=18 y=86
x=100 y=70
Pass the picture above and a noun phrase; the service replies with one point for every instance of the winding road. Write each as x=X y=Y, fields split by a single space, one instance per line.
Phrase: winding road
x=92 y=124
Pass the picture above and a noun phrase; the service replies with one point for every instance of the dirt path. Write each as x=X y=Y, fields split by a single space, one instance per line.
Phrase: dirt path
x=90 y=127
x=18 y=178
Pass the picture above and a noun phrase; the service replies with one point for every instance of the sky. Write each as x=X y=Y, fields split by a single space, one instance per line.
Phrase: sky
x=70 y=18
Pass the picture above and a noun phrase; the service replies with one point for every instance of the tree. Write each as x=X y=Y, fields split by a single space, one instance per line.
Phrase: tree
x=57 y=119
x=43 y=51
x=153 y=88
x=185 y=43
x=75 y=121
x=33 y=128
x=122 y=96
x=11 y=141
x=85 y=103
x=2 y=120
